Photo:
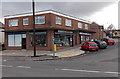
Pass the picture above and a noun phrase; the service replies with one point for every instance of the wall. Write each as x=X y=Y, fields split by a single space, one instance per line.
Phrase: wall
x=1 y=36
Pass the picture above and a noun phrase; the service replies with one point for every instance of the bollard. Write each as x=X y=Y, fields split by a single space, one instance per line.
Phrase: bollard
x=54 y=47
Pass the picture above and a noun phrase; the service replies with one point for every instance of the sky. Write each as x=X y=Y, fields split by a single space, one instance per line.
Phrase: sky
x=103 y=13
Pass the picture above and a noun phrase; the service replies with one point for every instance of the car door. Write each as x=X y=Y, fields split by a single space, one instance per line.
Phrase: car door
x=85 y=45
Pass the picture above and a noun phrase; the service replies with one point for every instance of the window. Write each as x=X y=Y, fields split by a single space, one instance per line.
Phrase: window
x=41 y=39
x=13 y=22
x=79 y=25
x=86 y=26
x=14 y=40
x=58 y=20
x=25 y=21
x=11 y=40
x=62 y=40
x=40 y=20
x=68 y=22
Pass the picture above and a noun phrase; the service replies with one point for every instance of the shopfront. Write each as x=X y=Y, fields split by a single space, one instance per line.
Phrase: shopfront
x=84 y=37
x=63 y=38
x=40 y=38
x=17 y=39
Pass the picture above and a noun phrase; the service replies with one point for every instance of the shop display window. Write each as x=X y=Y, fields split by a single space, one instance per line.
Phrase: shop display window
x=62 y=40
x=41 y=38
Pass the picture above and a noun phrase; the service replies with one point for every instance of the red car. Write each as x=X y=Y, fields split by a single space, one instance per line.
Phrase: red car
x=90 y=46
x=109 y=41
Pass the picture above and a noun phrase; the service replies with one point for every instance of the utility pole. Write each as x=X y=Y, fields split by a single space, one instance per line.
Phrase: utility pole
x=34 y=36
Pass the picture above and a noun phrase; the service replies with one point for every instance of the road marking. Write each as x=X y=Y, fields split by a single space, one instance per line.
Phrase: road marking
x=6 y=66
x=23 y=66
x=4 y=60
x=116 y=73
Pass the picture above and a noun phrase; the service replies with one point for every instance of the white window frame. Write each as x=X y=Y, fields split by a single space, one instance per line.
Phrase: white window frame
x=68 y=22
x=14 y=40
x=11 y=39
x=13 y=22
x=86 y=26
x=58 y=20
x=38 y=19
x=80 y=25
x=25 y=21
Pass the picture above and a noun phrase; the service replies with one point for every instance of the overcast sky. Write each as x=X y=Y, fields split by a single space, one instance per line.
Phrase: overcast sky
x=104 y=13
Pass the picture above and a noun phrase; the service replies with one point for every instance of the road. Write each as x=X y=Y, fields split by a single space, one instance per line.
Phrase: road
x=103 y=63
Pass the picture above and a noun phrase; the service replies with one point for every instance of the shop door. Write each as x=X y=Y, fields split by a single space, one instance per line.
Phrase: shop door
x=23 y=43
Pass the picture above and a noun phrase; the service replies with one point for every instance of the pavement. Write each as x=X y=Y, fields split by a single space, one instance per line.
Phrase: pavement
x=41 y=55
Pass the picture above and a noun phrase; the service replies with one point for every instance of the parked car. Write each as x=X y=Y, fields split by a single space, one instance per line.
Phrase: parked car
x=109 y=41
x=101 y=44
x=90 y=46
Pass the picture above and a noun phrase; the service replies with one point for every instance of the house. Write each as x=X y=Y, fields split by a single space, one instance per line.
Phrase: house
x=52 y=27
x=1 y=33
x=99 y=29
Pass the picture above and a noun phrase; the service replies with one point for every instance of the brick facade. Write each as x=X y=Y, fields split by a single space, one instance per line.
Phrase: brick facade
x=49 y=26
x=99 y=31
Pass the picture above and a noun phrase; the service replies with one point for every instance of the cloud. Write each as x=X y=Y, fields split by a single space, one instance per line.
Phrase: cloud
x=73 y=8
x=78 y=9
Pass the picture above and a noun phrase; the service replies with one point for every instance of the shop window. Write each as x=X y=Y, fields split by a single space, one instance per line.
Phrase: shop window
x=40 y=20
x=86 y=26
x=11 y=40
x=13 y=22
x=68 y=22
x=25 y=21
x=62 y=40
x=79 y=25
x=58 y=20
x=41 y=38
x=14 y=40
x=85 y=38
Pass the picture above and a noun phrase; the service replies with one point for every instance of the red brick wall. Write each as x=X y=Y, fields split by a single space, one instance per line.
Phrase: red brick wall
x=99 y=34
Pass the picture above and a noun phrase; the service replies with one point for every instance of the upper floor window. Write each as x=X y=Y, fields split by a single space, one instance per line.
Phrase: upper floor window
x=13 y=22
x=86 y=26
x=25 y=21
x=68 y=22
x=58 y=20
x=40 y=20
x=79 y=25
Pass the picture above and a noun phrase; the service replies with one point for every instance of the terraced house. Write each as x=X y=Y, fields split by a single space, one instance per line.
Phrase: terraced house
x=52 y=27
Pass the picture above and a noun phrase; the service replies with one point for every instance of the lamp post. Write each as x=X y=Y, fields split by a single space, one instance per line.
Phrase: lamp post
x=34 y=36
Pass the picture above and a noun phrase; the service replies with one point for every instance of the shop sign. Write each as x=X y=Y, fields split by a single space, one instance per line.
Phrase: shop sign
x=62 y=31
x=84 y=33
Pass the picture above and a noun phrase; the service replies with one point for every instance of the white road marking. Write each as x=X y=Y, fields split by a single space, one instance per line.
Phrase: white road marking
x=4 y=60
x=23 y=66
x=115 y=73
x=6 y=66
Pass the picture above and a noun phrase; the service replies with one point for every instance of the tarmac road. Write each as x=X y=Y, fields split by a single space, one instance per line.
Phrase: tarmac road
x=103 y=63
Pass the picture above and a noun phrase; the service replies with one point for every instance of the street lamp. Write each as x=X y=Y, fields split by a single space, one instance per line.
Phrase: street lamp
x=34 y=36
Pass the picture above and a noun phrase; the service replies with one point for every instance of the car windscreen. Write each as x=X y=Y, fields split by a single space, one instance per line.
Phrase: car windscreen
x=92 y=44
x=110 y=39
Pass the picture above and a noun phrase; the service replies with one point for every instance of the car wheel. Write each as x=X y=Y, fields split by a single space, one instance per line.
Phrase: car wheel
x=112 y=43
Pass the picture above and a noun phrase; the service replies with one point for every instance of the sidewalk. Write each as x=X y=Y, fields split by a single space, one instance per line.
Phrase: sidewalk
x=41 y=55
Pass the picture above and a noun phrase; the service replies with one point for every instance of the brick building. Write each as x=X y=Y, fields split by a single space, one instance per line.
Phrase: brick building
x=65 y=30
x=99 y=31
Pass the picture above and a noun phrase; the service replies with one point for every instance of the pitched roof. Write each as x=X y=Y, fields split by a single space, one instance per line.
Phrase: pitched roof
x=1 y=25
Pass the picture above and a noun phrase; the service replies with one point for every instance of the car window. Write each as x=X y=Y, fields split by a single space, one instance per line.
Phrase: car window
x=92 y=44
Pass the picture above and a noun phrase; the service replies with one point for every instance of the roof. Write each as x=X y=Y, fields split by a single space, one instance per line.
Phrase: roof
x=48 y=11
x=1 y=25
